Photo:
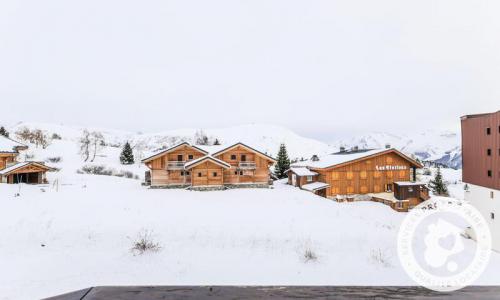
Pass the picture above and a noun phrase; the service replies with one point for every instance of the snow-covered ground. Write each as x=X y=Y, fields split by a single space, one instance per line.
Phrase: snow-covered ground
x=60 y=238
x=78 y=230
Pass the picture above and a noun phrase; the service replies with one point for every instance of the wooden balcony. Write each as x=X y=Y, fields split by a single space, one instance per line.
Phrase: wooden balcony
x=175 y=165
x=247 y=165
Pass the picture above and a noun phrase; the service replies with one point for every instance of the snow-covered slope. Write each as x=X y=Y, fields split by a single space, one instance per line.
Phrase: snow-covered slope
x=442 y=147
x=266 y=138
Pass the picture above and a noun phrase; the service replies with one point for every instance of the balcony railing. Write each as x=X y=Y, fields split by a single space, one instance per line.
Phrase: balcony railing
x=175 y=165
x=247 y=165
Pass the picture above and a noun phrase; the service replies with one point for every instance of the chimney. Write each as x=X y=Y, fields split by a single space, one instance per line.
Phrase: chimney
x=342 y=149
x=387 y=146
x=314 y=158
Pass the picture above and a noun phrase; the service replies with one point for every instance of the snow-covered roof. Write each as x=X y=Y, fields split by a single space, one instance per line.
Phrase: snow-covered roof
x=8 y=145
x=226 y=148
x=22 y=165
x=334 y=159
x=315 y=186
x=207 y=157
x=408 y=183
x=302 y=171
x=155 y=155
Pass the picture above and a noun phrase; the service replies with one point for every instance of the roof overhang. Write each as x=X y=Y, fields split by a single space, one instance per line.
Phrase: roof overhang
x=247 y=147
x=173 y=148
x=413 y=162
x=203 y=159
x=20 y=166
x=315 y=186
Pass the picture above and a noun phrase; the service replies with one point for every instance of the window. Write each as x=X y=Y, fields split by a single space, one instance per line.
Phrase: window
x=187 y=173
x=214 y=174
x=488 y=131
x=235 y=172
x=243 y=157
x=199 y=174
x=389 y=188
x=309 y=178
x=179 y=157
x=233 y=156
x=488 y=152
x=349 y=175
x=489 y=173
x=182 y=173
x=363 y=174
x=190 y=156
x=241 y=172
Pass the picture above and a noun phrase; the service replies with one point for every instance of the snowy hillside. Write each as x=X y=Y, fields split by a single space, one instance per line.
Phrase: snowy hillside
x=441 y=147
x=266 y=138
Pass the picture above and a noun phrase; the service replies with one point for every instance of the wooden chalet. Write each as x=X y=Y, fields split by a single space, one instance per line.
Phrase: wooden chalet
x=205 y=167
x=12 y=171
x=342 y=176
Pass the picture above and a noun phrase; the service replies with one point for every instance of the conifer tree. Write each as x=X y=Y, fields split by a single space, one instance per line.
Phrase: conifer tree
x=4 y=132
x=127 y=155
x=437 y=184
x=216 y=143
x=283 y=163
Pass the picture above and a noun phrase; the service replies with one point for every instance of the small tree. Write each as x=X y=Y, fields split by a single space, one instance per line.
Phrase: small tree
x=127 y=155
x=283 y=162
x=4 y=132
x=216 y=142
x=437 y=185
x=84 y=143
x=97 y=143
x=201 y=138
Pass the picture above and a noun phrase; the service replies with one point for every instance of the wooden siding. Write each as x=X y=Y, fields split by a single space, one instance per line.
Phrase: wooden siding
x=6 y=158
x=475 y=144
x=301 y=180
x=235 y=175
x=362 y=177
x=207 y=174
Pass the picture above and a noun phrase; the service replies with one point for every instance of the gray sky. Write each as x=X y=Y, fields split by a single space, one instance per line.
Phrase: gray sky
x=322 y=68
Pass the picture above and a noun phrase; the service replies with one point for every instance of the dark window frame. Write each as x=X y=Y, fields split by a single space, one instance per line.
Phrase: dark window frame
x=180 y=157
x=490 y=173
x=214 y=174
x=190 y=156
x=233 y=156
x=243 y=157
x=488 y=152
x=199 y=174
x=488 y=130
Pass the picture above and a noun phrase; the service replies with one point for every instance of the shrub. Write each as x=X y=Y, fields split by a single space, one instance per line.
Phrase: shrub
x=55 y=159
x=309 y=255
x=56 y=136
x=145 y=243
x=103 y=170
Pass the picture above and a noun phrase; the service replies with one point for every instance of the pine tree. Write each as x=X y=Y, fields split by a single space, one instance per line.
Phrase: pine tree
x=437 y=184
x=216 y=142
x=283 y=163
x=127 y=155
x=4 y=132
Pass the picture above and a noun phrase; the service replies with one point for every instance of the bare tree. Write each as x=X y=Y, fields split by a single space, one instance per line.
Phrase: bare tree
x=84 y=143
x=97 y=143
x=35 y=136
x=201 y=138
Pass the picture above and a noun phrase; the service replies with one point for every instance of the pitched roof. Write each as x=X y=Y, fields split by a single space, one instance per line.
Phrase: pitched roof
x=158 y=154
x=341 y=158
x=21 y=165
x=200 y=160
x=246 y=146
x=302 y=171
x=8 y=145
x=315 y=186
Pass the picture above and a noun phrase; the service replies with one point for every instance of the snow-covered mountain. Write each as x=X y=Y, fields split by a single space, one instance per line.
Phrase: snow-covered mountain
x=442 y=147
x=266 y=138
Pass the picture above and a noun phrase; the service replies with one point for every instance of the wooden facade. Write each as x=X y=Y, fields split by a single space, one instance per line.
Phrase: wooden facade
x=376 y=173
x=368 y=175
x=238 y=164
x=13 y=172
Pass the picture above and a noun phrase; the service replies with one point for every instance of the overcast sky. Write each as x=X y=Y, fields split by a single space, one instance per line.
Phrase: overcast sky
x=322 y=68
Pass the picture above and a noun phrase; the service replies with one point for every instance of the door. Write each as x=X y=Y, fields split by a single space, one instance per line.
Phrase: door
x=294 y=180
